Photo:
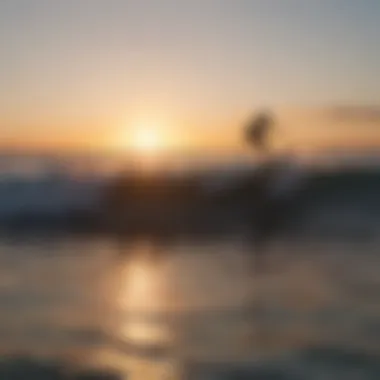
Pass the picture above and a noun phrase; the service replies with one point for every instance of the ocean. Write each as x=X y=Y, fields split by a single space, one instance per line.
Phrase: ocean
x=84 y=306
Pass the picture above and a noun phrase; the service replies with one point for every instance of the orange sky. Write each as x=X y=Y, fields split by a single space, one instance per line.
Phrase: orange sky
x=307 y=128
x=84 y=75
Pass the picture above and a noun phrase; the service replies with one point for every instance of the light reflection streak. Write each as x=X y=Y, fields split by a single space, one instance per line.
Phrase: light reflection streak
x=143 y=292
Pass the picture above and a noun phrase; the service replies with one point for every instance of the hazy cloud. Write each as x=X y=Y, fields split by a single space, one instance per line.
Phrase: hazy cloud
x=357 y=114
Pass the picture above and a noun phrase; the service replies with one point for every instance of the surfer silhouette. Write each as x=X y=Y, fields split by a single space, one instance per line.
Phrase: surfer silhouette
x=274 y=185
x=258 y=131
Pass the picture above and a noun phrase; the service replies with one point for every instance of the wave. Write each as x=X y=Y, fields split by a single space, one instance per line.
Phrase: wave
x=49 y=196
x=315 y=362
x=345 y=201
x=325 y=198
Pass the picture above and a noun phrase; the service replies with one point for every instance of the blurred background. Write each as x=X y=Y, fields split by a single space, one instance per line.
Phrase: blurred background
x=189 y=189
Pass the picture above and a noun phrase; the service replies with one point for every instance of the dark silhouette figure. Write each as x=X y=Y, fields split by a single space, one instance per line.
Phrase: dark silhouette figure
x=271 y=208
x=258 y=130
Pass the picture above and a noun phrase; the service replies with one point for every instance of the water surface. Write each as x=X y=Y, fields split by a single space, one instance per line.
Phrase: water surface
x=147 y=307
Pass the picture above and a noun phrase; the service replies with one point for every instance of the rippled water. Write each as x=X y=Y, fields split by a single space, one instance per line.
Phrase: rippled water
x=154 y=308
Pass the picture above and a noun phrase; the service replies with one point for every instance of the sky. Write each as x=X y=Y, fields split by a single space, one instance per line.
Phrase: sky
x=84 y=74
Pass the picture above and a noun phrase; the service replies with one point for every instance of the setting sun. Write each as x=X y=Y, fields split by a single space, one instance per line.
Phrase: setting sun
x=147 y=140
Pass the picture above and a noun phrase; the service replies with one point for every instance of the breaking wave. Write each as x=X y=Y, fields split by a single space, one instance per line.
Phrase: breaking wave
x=329 y=200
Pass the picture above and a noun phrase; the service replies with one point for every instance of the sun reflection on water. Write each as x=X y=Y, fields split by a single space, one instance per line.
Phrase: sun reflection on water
x=143 y=296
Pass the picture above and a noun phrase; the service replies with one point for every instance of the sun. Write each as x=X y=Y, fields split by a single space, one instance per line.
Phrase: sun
x=146 y=140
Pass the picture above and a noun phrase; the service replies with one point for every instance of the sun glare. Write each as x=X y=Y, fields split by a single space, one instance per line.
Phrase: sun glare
x=146 y=140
